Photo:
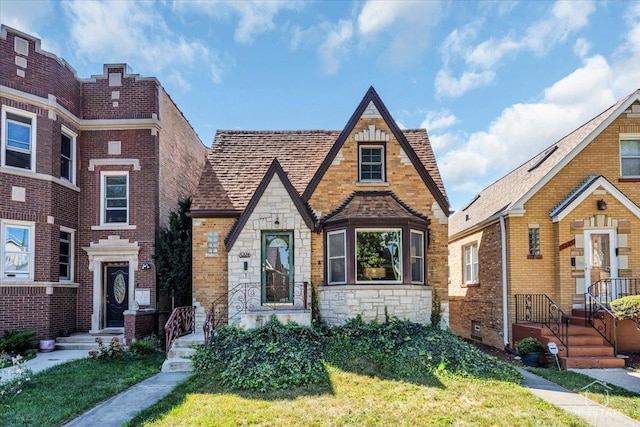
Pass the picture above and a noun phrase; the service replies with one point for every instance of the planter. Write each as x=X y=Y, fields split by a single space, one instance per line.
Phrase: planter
x=47 y=345
x=532 y=359
x=374 y=272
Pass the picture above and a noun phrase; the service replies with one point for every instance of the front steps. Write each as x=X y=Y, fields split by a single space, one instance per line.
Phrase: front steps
x=85 y=341
x=178 y=358
x=587 y=348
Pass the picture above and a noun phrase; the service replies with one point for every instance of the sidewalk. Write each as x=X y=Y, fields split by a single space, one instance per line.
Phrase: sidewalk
x=620 y=377
x=44 y=361
x=590 y=411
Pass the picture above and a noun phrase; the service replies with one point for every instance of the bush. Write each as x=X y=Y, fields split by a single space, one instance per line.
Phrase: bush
x=275 y=356
x=113 y=351
x=529 y=345
x=17 y=342
x=148 y=345
x=627 y=308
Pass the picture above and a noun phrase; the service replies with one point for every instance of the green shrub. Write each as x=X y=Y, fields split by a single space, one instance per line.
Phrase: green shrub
x=627 y=308
x=148 y=345
x=529 y=345
x=17 y=342
x=275 y=356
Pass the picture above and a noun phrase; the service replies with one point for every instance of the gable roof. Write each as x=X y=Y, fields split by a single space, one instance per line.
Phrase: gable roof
x=238 y=161
x=508 y=195
x=430 y=180
x=303 y=208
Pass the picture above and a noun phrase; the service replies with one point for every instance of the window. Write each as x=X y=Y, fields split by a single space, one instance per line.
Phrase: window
x=67 y=156
x=371 y=163
x=534 y=242
x=336 y=254
x=115 y=200
x=66 y=255
x=18 y=139
x=17 y=251
x=630 y=158
x=378 y=255
x=417 y=257
x=471 y=264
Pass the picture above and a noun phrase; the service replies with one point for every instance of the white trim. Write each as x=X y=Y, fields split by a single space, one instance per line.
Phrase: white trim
x=473 y=280
x=610 y=188
x=114 y=162
x=33 y=133
x=74 y=153
x=400 y=254
x=344 y=257
x=383 y=161
x=613 y=259
x=31 y=226
x=422 y=256
x=103 y=181
x=39 y=176
x=519 y=204
x=72 y=254
x=627 y=137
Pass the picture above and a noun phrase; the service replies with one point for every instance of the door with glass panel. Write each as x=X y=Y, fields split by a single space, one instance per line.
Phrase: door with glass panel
x=277 y=267
x=601 y=262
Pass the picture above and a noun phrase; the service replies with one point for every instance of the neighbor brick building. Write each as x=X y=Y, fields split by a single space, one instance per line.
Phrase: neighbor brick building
x=561 y=231
x=90 y=168
x=277 y=211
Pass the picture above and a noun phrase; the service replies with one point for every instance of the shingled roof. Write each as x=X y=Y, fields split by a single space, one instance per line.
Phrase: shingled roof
x=509 y=193
x=238 y=161
x=374 y=205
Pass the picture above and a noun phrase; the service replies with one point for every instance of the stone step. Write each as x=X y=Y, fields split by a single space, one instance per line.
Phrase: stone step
x=177 y=365
x=591 y=351
x=575 y=340
x=181 y=352
x=76 y=346
x=591 y=362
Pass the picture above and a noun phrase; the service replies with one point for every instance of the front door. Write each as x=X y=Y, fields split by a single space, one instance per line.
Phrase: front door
x=277 y=267
x=600 y=261
x=117 y=294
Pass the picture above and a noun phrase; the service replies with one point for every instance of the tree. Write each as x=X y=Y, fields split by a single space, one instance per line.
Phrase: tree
x=173 y=256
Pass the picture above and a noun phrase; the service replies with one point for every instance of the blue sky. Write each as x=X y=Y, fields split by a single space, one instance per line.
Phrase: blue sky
x=492 y=82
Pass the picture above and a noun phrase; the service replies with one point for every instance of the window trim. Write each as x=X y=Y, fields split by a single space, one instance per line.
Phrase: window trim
x=3 y=232
x=72 y=167
x=3 y=138
x=344 y=257
x=472 y=280
x=411 y=257
x=400 y=256
x=623 y=138
x=383 y=155
x=72 y=236
x=103 y=187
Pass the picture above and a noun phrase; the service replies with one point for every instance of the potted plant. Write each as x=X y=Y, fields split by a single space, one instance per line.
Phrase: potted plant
x=369 y=258
x=530 y=350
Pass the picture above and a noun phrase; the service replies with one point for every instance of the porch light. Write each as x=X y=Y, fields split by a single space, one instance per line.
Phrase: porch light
x=602 y=205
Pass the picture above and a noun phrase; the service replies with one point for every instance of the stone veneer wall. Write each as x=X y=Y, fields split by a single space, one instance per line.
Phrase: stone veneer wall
x=339 y=303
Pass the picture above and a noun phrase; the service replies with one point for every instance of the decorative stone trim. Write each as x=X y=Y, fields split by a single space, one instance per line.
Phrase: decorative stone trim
x=371 y=135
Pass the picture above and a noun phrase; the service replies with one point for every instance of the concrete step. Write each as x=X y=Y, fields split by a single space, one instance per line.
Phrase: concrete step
x=591 y=351
x=84 y=341
x=76 y=346
x=575 y=340
x=591 y=362
x=180 y=352
x=177 y=365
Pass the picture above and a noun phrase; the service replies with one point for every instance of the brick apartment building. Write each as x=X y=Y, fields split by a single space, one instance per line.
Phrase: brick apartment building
x=89 y=169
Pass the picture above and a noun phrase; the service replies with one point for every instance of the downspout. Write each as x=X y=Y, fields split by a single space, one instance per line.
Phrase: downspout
x=505 y=305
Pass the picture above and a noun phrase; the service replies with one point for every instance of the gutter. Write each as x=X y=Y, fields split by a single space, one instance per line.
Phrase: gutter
x=505 y=305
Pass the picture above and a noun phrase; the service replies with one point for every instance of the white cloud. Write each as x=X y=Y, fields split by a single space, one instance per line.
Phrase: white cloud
x=25 y=15
x=439 y=120
x=481 y=61
x=133 y=32
x=333 y=48
x=581 y=47
x=254 y=16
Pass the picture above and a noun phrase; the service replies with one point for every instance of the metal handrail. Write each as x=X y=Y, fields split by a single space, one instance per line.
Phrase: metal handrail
x=181 y=322
x=539 y=308
x=246 y=297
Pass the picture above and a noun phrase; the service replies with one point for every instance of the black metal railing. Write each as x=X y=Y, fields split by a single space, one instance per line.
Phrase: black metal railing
x=598 y=305
x=181 y=322
x=247 y=297
x=539 y=308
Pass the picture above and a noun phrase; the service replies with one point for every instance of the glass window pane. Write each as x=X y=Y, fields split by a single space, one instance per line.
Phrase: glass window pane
x=117 y=180
x=416 y=244
x=416 y=270
x=630 y=148
x=379 y=255
x=18 y=159
x=65 y=146
x=337 y=270
x=16 y=262
x=336 y=245
x=116 y=203
x=631 y=167
x=116 y=191
x=115 y=216
x=18 y=135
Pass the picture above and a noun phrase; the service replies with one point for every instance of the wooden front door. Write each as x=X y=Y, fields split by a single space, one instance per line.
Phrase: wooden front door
x=117 y=294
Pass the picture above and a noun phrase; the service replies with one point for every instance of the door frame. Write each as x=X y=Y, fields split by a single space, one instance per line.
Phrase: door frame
x=613 y=244
x=105 y=284
x=263 y=256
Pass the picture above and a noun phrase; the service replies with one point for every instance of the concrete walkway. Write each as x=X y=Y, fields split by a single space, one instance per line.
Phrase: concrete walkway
x=44 y=361
x=620 y=377
x=595 y=414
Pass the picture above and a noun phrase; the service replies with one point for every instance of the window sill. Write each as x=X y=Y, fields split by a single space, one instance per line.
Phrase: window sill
x=27 y=173
x=470 y=285
x=113 y=227
x=630 y=179
x=372 y=184
x=534 y=256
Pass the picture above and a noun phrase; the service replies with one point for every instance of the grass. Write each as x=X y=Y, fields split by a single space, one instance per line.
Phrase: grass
x=617 y=398
x=357 y=399
x=62 y=392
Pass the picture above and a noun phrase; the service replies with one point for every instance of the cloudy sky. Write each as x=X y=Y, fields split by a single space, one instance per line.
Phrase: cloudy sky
x=493 y=82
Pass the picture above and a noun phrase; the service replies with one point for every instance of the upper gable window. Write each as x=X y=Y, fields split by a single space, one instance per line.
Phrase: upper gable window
x=371 y=163
x=18 y=139
x=630 y=158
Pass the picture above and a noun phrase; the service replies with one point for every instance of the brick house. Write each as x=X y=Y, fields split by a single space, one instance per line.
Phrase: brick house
x=553 y=242
x=88 y=173
x=276 y=211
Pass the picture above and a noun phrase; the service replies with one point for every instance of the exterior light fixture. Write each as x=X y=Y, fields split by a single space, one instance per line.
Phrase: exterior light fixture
x=602 y=205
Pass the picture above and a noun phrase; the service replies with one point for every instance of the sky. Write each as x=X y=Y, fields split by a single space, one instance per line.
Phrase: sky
x=494 y=83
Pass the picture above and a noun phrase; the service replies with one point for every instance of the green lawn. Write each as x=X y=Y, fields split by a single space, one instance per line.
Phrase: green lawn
x=356 y=399
x=62 y=392
x=616 y=398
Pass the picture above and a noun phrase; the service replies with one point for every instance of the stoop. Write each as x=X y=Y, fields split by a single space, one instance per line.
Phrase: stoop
x=179 y=356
